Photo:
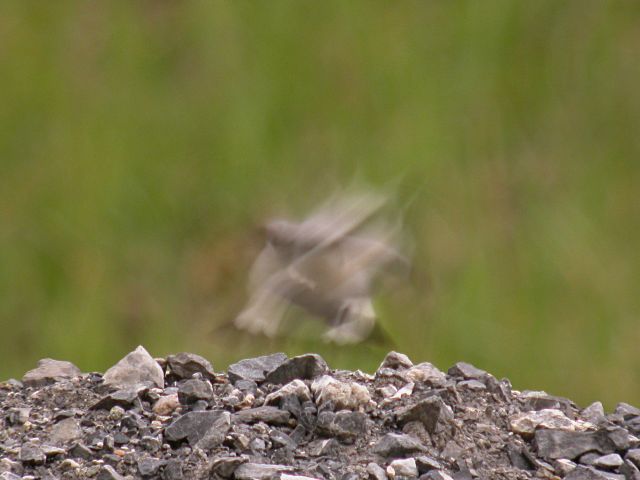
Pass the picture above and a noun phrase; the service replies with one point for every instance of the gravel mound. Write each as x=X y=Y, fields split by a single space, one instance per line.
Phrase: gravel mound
x=275 y=417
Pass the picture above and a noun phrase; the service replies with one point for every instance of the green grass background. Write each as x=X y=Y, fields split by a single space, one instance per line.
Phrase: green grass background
x=141 y=143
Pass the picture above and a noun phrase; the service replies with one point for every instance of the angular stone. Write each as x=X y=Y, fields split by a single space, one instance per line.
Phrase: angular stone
x=194 y=426
x=255 y=369
x=426 y=373
x=430 y=412
x=302 y=367
x=125 y=397
x=608 y=462
x=426 y=463
x=554 y=444
x=295 y=388
x=588 y=473
x=107 y=472
x=395 y=361
x=266 y=414
x=343 y=395
x=344 y=425
x=397 y=445
x=226 y=466
x=173 y=470
x=533 y=400
x=31 y=455
x=630 y=471
x=376 y=472
x=286 y=476
x=594 y=413
x=405 y=467
x=50 y=371
x=190 y=391
x=137 y=367
x=184 y=365
x=80 y=450
x=564 y=466
x=436 y=475
x=166 y=405
x=324 y=447
x=466 y=371
x=627 y=411
x=526 y=423
x=149 y=467
x=634 y=456
x=258 y=471
x=65 y=431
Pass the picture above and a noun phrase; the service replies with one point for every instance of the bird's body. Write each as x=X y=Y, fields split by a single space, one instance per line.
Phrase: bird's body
x=326 y=265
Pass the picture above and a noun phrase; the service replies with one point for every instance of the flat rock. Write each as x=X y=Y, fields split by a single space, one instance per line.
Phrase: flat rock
x=589 y=473
x=149 y=467
x=466 y=371
x=608 y=462
x=125 y=397
x=50 y=371
x=397 y=445
x=107 y=472
x=527 y=423
x=137 y=367
x=266 y=414
x=302 y=367
x=405 y=467
x=376 y=472
x=65 y=431
x=258 y=471
x=32 y=454
x=184 y=365
x=554 y=444
x=255 y=369
x=194 y=426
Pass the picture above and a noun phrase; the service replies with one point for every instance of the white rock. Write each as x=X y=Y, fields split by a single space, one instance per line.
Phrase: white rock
x=351 y=396
x=526 y=423
x=136 y=367
x=426 y=373
x=295 y=387
x=405 y=467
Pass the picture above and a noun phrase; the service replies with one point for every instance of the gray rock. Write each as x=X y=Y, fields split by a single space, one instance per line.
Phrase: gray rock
x=80 y=450
x=148 y=467
x=107 y=472
x=431 y=412
x=193 y=390
x=608 y=462
x=376 y=472
x=466 y=371
x=344 y=425
x=395 y=361
x=589 y=473
x=50 y=371
x=472 y=385
x=31 y=455
x=436 y=475
x=630 y=471
x=426 y=464
x=627 y=411
x=323 y=447
x=302 y=367
x=184 y=365
x=258 y=471
x=255 y=369
x=295 y=388
x=65 y=431
x=594 y=413
x=564 y=466
x=397 y=445
x=342 y=395
x=266 y=414
x=226 y=466
x=18 y=416
x=554 y=444
x=137 y=367
x=633 y=455
x=195 y=426
x=286 y=476
x=173 y=470
x=9 y=476
x=125 y=397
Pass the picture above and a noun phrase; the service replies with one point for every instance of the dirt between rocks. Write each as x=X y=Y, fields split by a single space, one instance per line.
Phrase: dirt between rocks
x=275 y=417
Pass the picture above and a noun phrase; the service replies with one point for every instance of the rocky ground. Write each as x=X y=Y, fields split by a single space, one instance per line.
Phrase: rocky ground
x=296 y=419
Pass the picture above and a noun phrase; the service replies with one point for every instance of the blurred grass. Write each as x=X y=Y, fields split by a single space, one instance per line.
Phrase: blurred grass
x=141 y=143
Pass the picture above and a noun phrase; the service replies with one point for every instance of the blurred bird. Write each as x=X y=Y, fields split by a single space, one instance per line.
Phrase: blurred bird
x=326 y=265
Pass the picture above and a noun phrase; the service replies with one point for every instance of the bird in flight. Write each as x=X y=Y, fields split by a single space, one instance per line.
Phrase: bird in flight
x=326 y=264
